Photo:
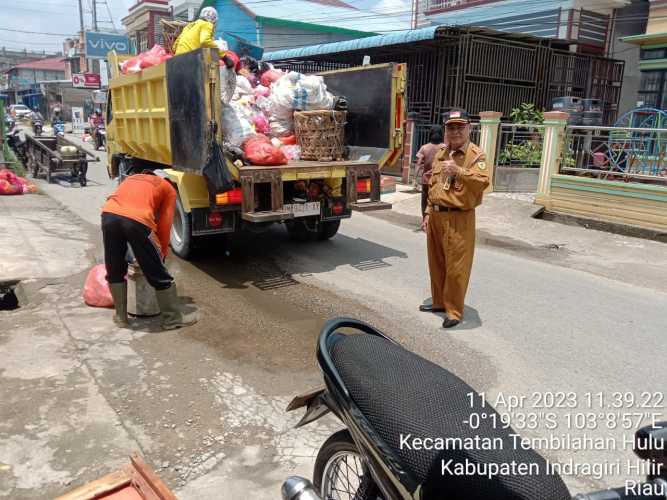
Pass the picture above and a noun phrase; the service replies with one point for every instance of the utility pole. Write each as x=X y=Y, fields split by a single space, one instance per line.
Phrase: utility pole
x=94 y=15
x=96 y=62
x=81 y=16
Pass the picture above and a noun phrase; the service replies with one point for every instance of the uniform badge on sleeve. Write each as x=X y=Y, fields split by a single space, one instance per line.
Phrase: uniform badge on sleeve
x=481 y=165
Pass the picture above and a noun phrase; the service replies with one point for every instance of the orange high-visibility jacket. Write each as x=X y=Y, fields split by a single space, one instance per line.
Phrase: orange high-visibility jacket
x=149 y=200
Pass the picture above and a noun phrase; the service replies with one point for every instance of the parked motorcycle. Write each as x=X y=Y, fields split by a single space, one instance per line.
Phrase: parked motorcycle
x=382 y=393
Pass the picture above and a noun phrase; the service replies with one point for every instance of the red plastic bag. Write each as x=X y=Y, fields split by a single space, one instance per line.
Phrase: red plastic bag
x=259 y=151
x=152 y=57
x=96 y=291
x=270 y=76
x=7 y=188
x=288 y=140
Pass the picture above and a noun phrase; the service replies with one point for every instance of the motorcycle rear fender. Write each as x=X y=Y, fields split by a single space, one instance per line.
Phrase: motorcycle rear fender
x=316 y=403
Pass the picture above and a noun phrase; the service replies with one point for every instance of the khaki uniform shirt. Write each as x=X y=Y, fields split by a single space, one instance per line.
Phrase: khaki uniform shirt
x=463 y=191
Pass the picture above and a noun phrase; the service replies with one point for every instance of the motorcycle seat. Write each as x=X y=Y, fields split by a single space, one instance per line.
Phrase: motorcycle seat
x=405 y=397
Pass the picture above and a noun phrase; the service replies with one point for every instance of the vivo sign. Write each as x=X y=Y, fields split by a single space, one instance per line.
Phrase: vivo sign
x=98 y=44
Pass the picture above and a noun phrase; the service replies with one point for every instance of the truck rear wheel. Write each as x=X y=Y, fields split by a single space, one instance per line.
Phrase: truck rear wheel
x=302 y=230
x=181 y=231
x=328 y=229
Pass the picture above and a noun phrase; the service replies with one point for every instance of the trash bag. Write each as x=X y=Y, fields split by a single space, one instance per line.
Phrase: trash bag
x=258 y=150
x=152 y=57
x=235 y=126
x=218 y=177
x=96 y=291
x=270 y=76
x=7 y=188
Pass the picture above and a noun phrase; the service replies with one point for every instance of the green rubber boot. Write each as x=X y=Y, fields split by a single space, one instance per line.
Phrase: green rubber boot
x=171 y=310
x=119 y=294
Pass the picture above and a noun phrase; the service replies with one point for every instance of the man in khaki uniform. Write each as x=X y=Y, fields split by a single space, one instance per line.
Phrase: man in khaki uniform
x=459 y=178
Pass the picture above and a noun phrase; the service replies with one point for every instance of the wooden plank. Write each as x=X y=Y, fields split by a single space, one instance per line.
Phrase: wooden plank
x=147 y=482
x=266 y=216
x=100 y=487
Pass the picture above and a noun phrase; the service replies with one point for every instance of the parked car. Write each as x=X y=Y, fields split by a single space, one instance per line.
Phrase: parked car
x=19 y=110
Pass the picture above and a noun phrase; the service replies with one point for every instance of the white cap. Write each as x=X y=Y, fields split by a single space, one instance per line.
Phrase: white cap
x=209 y=14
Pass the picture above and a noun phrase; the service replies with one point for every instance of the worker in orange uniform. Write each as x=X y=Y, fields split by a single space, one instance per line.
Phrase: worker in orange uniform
x=140 y=213
x=459 y=178
x=198 y=34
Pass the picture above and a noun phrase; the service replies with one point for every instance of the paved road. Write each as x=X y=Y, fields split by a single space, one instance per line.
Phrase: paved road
x=530 y=327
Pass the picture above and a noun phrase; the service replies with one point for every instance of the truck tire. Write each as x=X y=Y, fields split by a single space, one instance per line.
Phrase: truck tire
x=181 y=232
x=301 y=230
x=328 y=229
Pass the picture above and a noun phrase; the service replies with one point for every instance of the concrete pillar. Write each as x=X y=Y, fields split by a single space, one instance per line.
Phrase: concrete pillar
x=554 y=135
x=408 y=146
x=488 y=140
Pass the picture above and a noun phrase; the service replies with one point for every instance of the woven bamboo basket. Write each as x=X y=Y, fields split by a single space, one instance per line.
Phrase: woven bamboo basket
x=170 y=32
x=320 y=134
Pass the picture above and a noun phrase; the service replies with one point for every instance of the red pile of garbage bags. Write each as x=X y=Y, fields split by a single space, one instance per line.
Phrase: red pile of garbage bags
x=10 y=184
x=152 y=57
x=259 y=150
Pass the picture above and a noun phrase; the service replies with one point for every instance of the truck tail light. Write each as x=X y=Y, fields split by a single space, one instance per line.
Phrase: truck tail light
x=338 y=208
x=363 y=186
x=233 y=197
x=215 y=219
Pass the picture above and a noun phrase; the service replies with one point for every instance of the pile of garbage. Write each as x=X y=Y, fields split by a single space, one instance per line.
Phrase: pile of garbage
x=258 y=118
x=153 y=57
x=11 y=184
x=258 y=104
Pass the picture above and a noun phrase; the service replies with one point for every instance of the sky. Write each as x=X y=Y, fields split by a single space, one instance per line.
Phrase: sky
x=60 y=18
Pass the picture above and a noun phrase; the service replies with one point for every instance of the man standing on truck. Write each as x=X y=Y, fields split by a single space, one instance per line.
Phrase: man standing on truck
x=140 y=213
x=459 y=178
x=198 y=34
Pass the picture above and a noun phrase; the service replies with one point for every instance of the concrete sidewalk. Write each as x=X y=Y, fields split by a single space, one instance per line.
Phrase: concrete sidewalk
x=505 y=221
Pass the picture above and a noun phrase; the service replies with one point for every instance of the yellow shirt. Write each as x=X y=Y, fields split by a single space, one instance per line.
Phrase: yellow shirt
x=196 y=35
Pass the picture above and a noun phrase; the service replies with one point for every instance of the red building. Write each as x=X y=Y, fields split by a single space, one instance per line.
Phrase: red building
x=142 y=24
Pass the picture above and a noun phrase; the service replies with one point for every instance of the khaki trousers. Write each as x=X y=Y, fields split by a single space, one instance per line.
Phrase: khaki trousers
x=450 y=246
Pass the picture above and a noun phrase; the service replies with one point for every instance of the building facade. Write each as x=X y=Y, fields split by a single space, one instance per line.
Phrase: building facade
x=652 y=48
x=298 y=23
x=584 y=25
x=142 y=24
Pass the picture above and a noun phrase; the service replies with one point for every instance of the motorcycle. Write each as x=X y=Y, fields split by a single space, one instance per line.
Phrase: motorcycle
x=37 y=126
x=59 y=128
x=386 y=396
x=100 y=137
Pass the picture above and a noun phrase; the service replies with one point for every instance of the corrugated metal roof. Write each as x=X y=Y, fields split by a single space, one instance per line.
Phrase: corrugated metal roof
x=50 y=64
x=395 y=38
x=329 y=15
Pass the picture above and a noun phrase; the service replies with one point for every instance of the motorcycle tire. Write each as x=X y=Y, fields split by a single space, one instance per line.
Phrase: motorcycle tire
x=340 y=445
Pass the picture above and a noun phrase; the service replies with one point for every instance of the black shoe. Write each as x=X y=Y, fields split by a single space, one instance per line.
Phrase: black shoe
x=450 y=323
x=427 y=308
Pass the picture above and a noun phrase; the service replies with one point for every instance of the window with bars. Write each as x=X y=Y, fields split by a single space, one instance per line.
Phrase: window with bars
x=653 y=88
x=652 y=54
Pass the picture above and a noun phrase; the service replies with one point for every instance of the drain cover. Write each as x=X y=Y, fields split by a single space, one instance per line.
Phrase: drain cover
x=8 y=299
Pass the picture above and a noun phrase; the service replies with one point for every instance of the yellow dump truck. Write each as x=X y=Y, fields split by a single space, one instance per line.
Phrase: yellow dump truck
x=167 y=115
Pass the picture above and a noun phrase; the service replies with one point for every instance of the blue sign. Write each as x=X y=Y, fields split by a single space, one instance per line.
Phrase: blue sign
x=99 y=44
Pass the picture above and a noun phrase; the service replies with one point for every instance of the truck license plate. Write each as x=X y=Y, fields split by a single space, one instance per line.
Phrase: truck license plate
x=303 y=209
